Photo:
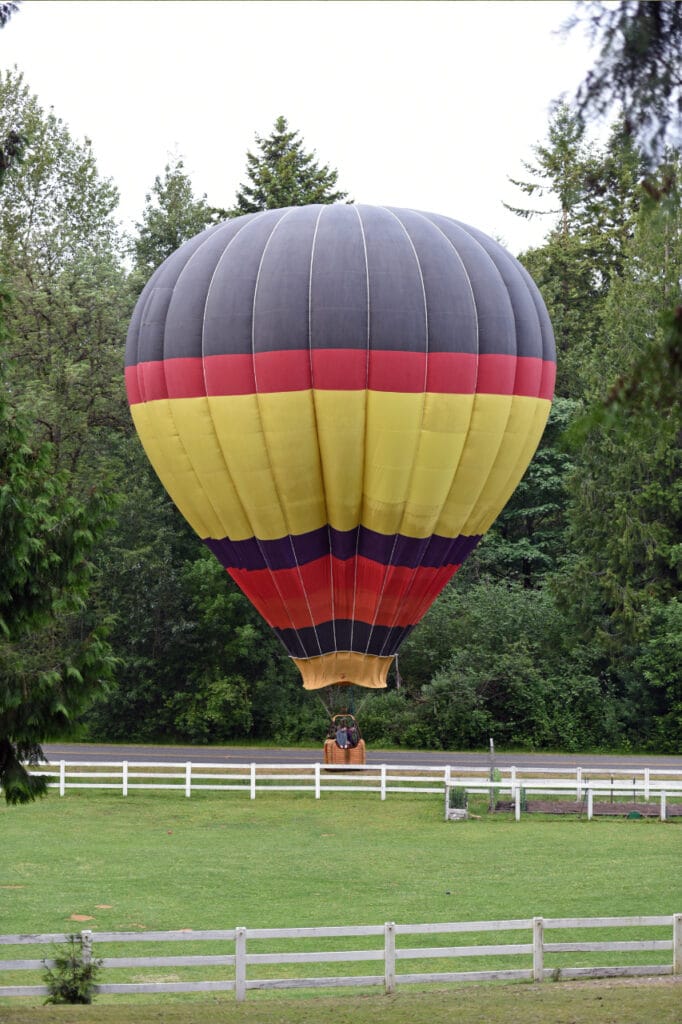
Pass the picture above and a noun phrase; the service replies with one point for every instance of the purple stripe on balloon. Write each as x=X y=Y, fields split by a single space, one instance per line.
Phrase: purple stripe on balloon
x=343 y=635
x=392 y=549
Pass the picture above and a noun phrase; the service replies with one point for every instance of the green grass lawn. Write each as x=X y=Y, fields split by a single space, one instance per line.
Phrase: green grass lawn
x=597 y=1003
x=159 y=861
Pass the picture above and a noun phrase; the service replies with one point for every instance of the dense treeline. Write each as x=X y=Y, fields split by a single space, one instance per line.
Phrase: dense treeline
x=564 y=629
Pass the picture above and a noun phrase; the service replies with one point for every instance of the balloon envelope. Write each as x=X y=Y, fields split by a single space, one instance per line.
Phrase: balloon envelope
x=340 y=400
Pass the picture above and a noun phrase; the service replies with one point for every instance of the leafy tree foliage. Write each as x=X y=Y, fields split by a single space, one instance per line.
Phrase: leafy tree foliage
x=171 y=215
x=10 y=152
x=656 y=670
x=626 y=506
x=282 y=173
x=46 y=539
x=60 y=255
x=53 y=653
x=511 y=671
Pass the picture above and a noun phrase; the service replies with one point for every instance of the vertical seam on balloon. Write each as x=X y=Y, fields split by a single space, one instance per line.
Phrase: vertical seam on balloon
x=138 y=373
x=467 y=231
x=258 y=217
x=510 y=259
x=428 y=539
x=139 y=376
x=317 y=434
x=389 y=565
x=415 y=571
x=364 y=448
x=165 y=378
x=288 y=213
x=196 y=473
x=525 y=278
x=251 y=221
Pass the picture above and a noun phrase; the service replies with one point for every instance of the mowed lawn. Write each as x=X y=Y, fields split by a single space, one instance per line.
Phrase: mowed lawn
x=162 y=861
x=157 y=861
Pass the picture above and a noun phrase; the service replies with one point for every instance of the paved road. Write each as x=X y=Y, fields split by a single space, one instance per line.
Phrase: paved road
x=241 y=755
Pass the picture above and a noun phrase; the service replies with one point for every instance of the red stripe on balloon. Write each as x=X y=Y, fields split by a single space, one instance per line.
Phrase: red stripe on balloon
x=230 y=375
x=548 y=379
x=449 y=373
x=342 y=369
x=328 y=589
x=133 y=390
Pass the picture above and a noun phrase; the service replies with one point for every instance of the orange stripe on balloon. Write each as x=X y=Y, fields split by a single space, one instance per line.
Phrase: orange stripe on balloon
x=360 y=589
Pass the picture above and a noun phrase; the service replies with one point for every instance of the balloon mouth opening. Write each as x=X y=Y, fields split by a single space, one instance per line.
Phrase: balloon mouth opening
x=344 y=668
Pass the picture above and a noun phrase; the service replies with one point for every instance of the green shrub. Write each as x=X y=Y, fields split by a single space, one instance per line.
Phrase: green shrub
x=72 y=976
x=458 y=797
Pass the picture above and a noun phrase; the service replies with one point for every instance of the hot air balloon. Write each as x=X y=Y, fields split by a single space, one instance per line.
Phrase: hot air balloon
x=340 y=400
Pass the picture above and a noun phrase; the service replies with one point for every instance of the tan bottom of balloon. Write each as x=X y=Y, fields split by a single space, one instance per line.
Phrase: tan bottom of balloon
x=344 y=667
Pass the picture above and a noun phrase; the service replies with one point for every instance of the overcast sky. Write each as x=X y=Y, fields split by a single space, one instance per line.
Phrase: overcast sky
x=426 y=105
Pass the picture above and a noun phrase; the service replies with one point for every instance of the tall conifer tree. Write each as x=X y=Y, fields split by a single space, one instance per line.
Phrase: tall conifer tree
x=282 y=174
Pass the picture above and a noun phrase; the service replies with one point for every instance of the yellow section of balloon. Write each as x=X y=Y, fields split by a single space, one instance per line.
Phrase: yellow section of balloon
x=283 y=463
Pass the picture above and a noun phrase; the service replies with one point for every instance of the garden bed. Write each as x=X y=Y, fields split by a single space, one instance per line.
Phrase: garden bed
x=614 y=809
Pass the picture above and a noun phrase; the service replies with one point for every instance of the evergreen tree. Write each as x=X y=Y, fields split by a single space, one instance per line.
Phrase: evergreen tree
x=625 y=512
x=559 y=171
x=597 y=198
x=282 y=174
x=638 y=67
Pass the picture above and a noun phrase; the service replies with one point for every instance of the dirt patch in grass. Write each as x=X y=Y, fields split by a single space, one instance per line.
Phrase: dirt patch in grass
x=613 y=809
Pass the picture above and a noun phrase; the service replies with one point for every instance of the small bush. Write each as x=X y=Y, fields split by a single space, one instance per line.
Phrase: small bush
x=72 y=977
x=458 y=797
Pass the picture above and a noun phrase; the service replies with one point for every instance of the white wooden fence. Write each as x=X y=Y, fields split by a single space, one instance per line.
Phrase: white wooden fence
x=584 y=785
x=236 y=957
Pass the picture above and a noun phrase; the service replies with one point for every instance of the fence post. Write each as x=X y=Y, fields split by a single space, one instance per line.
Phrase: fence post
x=383 y=782
x=188 y=779
x=124 y=778
x=579 y=784
x=86 y=946
x=389 y=958
x=517 y=803
x=62 y=778
x=677 y=943
x=317 y=780
x=663 y=805
x=446 y=780
x=538 y=949
x=240 y=964
x=512 y=776
x=253 y=780
x=647 y=780
x=590 y=799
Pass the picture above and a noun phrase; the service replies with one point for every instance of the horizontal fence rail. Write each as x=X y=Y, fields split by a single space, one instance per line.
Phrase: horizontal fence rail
x=242 y=965
x=582 y=786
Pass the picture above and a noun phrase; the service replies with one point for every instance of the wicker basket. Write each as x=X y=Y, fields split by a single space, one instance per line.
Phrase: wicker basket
x=333 y=754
